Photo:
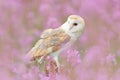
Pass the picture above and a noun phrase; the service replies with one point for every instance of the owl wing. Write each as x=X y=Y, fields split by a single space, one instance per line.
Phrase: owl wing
x=51 y=40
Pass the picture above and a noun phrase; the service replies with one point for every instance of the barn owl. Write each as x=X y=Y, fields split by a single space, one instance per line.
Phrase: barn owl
x=53 y=41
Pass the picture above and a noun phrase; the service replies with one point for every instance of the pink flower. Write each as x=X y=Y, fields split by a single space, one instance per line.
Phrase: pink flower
x=102 y=75
x=52 y=23
x=73 y=57
x=111 y=59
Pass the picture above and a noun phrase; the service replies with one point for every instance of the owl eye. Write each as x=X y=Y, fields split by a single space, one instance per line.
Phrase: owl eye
x=75 y=24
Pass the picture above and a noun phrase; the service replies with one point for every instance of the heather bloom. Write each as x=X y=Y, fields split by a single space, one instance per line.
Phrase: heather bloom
x=102 y=75
x=111 y=59
x=52 y=22
x=96 y=56
x=73 y=57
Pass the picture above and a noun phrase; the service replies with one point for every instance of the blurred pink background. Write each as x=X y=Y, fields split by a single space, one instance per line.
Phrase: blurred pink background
x=97 y=56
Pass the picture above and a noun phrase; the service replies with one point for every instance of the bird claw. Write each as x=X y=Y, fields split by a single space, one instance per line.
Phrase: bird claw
x=59 y=68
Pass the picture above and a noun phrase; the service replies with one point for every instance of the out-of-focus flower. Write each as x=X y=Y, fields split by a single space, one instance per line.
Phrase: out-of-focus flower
x=102 y=75
x=111 y=59
x=73 y=57
x=52 y=23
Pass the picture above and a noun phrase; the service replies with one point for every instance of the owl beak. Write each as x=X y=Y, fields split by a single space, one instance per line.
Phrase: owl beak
x=71 y=27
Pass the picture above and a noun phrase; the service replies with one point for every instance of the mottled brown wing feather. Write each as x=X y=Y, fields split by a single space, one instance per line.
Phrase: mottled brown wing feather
x=51 y=41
